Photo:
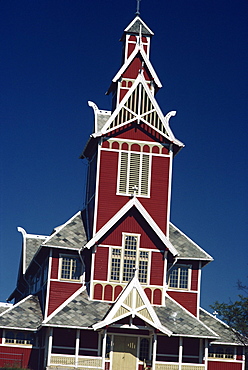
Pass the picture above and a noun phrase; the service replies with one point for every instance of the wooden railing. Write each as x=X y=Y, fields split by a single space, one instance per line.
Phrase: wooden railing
x=167 y=366
x=83 y=362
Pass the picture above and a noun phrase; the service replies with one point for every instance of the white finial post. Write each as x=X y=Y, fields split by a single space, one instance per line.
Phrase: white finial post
x=135 y=189
x=138 y=7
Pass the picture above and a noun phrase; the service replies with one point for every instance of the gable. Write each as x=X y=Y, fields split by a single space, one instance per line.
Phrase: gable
x=132 y=301
x=139 y=105
x=133 y=222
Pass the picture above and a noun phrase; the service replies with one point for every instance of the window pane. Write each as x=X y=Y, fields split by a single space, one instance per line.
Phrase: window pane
x=66 y=267
x=115 y=264
x=71 y=268
x=174 y=278
x=144 y=349
x=183 y=278
x=143 y=266
x=129 y=263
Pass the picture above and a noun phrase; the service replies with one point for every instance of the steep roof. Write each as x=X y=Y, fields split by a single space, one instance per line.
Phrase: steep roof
x=79 y=312
x=71 y=235
x=186 y=248
x=226 y=334
x=26 y=314
x=138 y=25
x=181 y=322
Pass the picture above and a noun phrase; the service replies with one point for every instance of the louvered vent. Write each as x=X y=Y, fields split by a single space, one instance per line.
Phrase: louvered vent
x=139 y=106
x=134 y=170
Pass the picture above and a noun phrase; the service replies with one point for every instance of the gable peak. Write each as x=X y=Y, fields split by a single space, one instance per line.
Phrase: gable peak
x=138 y=25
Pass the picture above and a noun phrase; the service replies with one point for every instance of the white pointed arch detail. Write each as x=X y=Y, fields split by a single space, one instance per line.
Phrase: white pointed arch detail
x=133 y=301
x=139 y=105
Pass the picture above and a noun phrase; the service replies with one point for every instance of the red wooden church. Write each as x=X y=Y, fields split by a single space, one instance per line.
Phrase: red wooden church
x=117 y=287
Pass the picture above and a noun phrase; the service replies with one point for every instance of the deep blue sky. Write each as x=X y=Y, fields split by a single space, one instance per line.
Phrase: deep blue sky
x=58 y=54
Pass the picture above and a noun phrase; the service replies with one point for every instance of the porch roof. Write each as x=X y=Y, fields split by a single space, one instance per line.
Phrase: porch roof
x=25 y=315
x=181 y=322
x=226 y=334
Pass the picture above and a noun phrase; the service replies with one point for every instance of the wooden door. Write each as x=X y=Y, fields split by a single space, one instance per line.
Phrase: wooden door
x=125 y=353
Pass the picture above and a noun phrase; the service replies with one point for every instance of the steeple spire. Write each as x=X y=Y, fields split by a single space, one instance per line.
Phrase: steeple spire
x=138 y=7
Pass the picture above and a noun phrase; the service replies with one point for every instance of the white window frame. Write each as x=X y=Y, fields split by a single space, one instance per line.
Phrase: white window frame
x=15 y=339
x=122 y=259
x=127 y=191
x=178 y=267
x=61 y=257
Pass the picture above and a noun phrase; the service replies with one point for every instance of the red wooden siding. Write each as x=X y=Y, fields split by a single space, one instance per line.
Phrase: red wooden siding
x=186 y=299
x=157 y=296
x=132 y=222
x=133 y=69
x=60 y=292
x=101 y=264
x=55 y=265
x=157 y=269
x=98 y=291
x=108 y=291
x=18 y=357
x=194 y=276
x=108 y=202
x=118 y=289
x=149 y=294
x=215 y=365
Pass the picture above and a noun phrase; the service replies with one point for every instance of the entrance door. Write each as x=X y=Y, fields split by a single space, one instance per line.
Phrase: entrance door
x=125 y=353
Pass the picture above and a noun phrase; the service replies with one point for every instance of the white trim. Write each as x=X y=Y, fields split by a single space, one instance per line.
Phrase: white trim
x=132 y=202
x=64 y=304
x=169 y=191
x=95 y=211
x=199 y=288
x=133 y=285
x=15 y=305
x=180 y=353
x=50 y=343
x=50 y=258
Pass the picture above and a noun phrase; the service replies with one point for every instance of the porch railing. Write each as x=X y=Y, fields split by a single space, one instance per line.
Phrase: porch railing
x=83 y=362
x=166 y=366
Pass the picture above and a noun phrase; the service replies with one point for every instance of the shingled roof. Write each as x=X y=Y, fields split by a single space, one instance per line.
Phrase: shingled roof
x=79 y=312
x=186 y=248
x=175 y=318
x=70 y=235
x=226 y=334
x=26 y=314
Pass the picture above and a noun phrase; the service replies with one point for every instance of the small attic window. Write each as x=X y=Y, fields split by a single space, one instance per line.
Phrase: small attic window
x=70 y=268
x=179 y=277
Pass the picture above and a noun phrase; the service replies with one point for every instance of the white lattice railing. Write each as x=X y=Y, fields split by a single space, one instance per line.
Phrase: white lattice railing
x=86 y=363
x=166 y=366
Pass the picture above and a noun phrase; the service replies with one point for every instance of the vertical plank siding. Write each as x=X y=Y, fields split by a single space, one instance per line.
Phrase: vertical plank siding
x=101 y=264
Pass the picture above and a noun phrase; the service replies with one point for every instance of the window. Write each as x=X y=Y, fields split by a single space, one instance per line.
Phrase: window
x=134 y=170
x=71 y=268
x=179 y=277
x=221 y=352
x=124 y=261
x=144 y=349
x=19 y=337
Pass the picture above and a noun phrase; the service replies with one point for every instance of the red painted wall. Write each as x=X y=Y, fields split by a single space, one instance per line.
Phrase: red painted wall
x=214 y=365
x=194 y=275
x=16 y=356
x=60 y=292
x=186 y=299
x=157 y=269
x=109 y=203
x=101 y=264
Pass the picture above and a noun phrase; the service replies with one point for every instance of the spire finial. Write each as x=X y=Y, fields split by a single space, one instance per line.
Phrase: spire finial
x=138 y=7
